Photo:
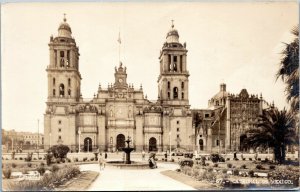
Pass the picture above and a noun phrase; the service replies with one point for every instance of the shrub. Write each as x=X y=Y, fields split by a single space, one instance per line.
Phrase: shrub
x=76 y=159
x=58 y=160
x=29 y=157
x=84 y=159
x=209 y=169
x=259 y=166
x=203 y=159
x=229 y=165
x=272 y=167
x=224 y=171
x=284 y=174
x=54 y=168
x=13 y=165
x=244 y=159
x=186 y=170
x=48 y=158
x=251 y=173
x=63 y=160
x=243 y=166
x=235 y=172
x=7 y=173
x=207 y=164
x=186 y=162
x=41 y=170
x=221 y=159
x=69 y=160
x=259 y=159
x=48 y=182
x=172 y=160
x=215 y=157
x=59 y=151
x=29 y=165
x=215 y=165
x=92 y=159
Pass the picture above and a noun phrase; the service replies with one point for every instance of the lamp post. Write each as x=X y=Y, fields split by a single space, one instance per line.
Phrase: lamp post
x=170 y=143
x=79 y=133
x=50 y=140
x=38 y=147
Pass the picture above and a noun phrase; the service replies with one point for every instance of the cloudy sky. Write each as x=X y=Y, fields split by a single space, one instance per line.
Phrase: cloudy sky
x=235 y=43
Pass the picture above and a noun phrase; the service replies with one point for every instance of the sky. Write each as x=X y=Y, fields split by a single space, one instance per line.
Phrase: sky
x=234 y=43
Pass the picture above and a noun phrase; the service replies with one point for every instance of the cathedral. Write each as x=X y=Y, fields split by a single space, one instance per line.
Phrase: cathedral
x=121 y=111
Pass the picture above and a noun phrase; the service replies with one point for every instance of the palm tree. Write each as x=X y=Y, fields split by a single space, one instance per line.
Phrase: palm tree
x=288 y=71
x=276 y=129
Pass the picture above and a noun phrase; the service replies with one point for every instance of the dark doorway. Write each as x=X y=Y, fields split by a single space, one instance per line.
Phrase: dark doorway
x=120 y=142
x=243 y=146
x=201 y=144
x=152 y=144
x=88 y=144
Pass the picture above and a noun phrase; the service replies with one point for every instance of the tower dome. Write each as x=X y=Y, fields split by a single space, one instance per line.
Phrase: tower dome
x=64 y=29
x=172 y=35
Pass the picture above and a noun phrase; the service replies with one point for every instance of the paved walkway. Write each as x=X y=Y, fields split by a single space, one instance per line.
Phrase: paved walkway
x=114 y=179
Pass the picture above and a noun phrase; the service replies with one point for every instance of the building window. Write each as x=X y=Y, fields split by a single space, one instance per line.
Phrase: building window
x=217 y=103
x=169 y=62
x=168 y=84
x=53 y=92
x=217 y=142
x=177 y=122
x=177 y=135
x=206 y=115
x=59 y=122
x=168 y=95
x=53 y=81
x=62 y=60
x=175 y=93
x=200 y=135
x=175 y=63
x=59 y=130
x=177 y=129
x=59 y=137
x=182 y=85
x=69 y=92
x=182 y=95
x=61 y=90
x=69 y=82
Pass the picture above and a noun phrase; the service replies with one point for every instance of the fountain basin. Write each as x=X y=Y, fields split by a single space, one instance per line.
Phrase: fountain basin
x=133 y=165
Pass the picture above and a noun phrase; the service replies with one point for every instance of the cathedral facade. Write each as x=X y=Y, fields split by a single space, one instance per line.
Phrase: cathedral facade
x=119 y=111
x=122 y=111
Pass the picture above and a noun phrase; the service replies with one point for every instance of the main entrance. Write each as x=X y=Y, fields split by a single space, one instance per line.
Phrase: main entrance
x=88 y=144
x=201 y=144
x=120 y=142
x=152 y=144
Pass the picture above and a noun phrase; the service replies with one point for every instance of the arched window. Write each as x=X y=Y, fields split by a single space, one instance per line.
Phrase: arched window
x=168 y=84
x=53 y=81
x=62 y=59
x=69 y=82
x=53 y=92
x=182 y=95
x=175 y=63
x=175 y=93
x=182 y=85
x=168 y=95
x=69 y=92
x=61 y=90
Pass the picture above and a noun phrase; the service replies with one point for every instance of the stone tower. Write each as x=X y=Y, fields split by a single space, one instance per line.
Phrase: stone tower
x=173 y=93
x=63 y=86
x=173 y=78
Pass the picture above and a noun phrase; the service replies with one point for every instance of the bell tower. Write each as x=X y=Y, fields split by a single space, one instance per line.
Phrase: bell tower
x=63 y=70
x=173 y=78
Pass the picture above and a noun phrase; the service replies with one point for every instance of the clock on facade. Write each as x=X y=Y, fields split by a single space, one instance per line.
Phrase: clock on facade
x=120 y=80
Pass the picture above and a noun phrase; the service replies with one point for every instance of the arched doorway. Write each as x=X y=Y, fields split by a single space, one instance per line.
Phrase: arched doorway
x=120 y=142
x=152 y=144
x=243 y=146
x=201 y=144
x=88 y=144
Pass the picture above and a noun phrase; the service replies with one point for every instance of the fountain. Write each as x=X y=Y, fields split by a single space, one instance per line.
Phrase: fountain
x=127 y=151
x=127 y=163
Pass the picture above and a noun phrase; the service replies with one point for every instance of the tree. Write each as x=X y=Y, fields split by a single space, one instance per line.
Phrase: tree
x=288 y=71
x=276 y=129
x=59 y=151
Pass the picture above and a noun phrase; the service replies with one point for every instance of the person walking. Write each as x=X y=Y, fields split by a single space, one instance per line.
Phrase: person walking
x=143 y=155
x=101 y=162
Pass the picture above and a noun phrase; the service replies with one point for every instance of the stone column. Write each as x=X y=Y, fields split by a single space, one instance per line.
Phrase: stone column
x=209 y=139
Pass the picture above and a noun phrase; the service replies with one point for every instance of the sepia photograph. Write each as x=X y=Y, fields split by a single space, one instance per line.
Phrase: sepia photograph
x=150 y=96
